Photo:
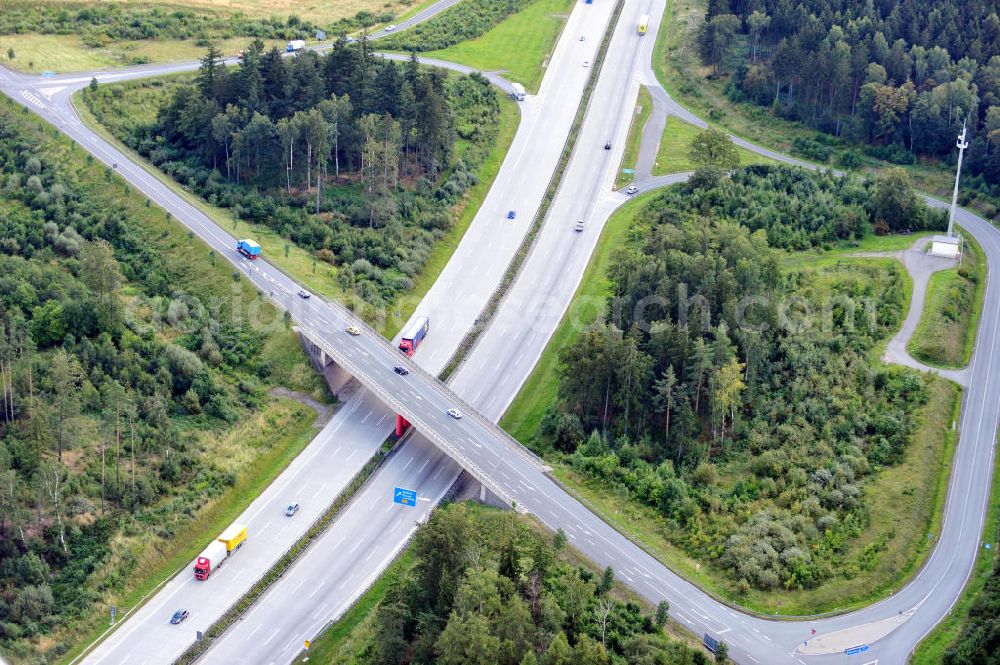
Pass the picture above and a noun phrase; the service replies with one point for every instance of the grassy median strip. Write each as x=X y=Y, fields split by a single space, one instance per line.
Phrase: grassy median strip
x=288 y=559
x=947 y=330
x=643 y=109
x=673 y=155
x=486 y=316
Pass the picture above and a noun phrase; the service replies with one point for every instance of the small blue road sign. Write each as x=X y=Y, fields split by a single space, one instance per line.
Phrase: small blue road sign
x=628 y=170
x=856 y=650
x=404 y=496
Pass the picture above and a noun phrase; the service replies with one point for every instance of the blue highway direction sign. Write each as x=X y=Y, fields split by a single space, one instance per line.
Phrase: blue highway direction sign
x=404 y=496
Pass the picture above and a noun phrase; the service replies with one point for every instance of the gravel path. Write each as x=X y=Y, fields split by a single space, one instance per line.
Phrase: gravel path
x=323 y=411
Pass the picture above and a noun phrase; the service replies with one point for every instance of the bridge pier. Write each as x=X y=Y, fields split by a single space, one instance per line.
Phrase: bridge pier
x=468 y=488
x=339 y=380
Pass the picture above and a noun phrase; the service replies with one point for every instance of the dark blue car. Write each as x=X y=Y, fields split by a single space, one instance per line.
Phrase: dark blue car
x=511 y=215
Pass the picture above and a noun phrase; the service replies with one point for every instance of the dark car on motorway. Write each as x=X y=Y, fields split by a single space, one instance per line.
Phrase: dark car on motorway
x=179 y=616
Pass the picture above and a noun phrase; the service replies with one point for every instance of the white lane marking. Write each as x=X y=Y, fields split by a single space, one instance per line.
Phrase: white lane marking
x=422 y=466
x=319 y=612
x=345 y=582
x=252 y=632
x=316 y=589
x=273 y=635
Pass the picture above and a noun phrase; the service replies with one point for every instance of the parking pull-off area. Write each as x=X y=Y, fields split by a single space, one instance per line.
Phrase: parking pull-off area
x=854 y=638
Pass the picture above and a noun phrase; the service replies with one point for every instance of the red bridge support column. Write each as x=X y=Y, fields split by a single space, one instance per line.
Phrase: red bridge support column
x=402 y=424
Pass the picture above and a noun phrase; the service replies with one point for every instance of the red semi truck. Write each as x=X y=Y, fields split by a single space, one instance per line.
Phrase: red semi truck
x=414 y=334
x=219 y=551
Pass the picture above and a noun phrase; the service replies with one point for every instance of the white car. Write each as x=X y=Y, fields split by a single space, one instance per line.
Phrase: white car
x=632 y=189
x=579 y=225
x=390 y=28
x=586 y=63
x=454 y=413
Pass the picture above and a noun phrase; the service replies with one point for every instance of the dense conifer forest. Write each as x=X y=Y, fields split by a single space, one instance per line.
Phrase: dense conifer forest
x=900 y=76
x=358 y=159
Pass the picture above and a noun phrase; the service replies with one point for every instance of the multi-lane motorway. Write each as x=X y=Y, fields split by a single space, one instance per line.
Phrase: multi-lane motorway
x=356 y=547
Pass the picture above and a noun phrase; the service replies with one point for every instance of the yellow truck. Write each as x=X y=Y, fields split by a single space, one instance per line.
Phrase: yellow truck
x=219 y=551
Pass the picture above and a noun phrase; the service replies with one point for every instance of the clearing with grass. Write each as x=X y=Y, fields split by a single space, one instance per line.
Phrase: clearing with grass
x=491 y=35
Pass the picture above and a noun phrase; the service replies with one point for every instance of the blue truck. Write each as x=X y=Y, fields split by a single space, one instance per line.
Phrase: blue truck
x=248 y=248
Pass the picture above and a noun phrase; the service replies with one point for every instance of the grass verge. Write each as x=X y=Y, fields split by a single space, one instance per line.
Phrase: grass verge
x=672 y=157
x=36 y=53
x=311 y=10
x=643 y=109
x=947 y=330
x=520 y=44
x=288 y=559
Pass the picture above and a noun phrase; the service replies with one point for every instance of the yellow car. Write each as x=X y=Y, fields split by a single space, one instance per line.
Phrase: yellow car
x=352 y=330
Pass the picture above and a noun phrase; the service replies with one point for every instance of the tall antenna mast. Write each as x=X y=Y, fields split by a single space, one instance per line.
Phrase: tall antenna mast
x=961 y=145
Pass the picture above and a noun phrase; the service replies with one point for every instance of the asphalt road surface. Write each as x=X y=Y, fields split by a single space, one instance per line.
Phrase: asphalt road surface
x=908 y=614
x=531 y=169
